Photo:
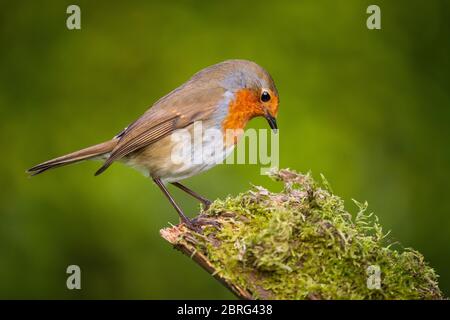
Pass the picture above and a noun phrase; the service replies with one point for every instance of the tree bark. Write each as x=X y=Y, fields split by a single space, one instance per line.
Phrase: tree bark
x=182 y=239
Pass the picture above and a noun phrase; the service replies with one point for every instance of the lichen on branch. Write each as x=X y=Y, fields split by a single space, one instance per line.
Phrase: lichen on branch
x=302 y=243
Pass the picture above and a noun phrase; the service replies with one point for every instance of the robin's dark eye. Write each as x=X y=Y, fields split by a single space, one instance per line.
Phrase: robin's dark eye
x=265 y=96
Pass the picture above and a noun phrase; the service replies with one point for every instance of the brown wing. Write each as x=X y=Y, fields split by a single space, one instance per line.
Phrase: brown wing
x=180 y=108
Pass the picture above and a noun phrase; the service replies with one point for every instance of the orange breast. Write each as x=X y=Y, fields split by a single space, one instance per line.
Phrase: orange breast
x=244 y=107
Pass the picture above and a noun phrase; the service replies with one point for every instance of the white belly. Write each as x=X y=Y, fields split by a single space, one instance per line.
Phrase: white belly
x=173 y=161
x=194 y=164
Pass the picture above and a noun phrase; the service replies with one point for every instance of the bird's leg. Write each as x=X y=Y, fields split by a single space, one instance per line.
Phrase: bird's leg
x=206 y=203
x=183 y=217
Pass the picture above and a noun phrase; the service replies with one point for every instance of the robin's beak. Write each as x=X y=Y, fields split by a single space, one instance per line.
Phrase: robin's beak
x=272 y=121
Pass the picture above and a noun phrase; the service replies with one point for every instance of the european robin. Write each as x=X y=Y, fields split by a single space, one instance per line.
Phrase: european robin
x=224 y=96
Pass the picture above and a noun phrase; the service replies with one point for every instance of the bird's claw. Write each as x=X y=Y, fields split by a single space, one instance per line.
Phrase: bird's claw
x=206 y=205
x=197 y=223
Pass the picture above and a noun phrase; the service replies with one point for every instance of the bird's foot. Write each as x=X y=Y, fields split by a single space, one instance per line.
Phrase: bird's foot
x=206 y=204
x=197 y=223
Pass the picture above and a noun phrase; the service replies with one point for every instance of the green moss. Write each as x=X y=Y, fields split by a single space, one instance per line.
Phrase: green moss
x=301 y=243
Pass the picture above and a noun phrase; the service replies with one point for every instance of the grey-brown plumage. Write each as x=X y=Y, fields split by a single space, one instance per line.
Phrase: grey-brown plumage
x=92 y=152
x=195 y=100
x=222 y=97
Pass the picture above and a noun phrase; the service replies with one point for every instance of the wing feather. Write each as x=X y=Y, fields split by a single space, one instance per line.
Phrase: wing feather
x=139 y=141
x=180 y=108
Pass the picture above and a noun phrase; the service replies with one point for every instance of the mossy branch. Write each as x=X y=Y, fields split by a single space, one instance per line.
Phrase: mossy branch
x=301 y=243
x=181 y=238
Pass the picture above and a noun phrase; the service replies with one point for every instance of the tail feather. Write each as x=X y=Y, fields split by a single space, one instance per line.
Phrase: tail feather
x=77 y=156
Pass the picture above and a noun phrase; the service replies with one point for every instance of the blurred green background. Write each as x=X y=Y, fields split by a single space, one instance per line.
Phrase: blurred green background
x=369 y=109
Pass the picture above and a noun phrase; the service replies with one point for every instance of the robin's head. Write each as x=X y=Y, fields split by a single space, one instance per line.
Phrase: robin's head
x=254 y=91
x=249 y=92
